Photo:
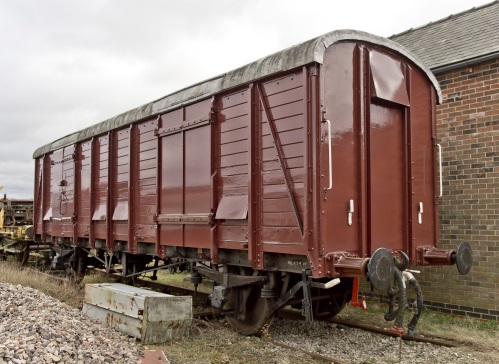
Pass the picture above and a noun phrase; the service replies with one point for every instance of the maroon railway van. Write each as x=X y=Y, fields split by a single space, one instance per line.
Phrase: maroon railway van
x=283 y=181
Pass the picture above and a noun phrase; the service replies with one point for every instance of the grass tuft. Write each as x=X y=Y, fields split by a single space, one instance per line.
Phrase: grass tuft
x=209 y=342
x=62 y=289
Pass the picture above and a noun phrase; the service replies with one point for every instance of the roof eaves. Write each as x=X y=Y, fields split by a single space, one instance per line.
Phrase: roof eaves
x=468 y=62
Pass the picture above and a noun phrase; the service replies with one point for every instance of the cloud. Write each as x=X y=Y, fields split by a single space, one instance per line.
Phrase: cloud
x=66 y=65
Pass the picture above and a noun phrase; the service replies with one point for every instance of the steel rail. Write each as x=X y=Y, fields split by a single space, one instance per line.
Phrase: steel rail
x=295 y=315
x=269 y=339
x=283 y=313
x=382 y=331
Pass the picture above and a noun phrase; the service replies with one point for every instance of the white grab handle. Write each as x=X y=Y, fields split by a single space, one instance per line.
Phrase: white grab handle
x=330 y=155
x=440 y=170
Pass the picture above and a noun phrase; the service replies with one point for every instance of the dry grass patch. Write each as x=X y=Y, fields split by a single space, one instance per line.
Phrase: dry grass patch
x=64 y=290
x=210 y=343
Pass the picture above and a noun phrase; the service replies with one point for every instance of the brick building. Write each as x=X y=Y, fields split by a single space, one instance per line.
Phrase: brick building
x=463 y=52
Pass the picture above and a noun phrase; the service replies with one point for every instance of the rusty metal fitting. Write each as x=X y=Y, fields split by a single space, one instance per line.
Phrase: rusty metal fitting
x=343 y=264
x=398 y=330
x=434 y=256
x=462 y=257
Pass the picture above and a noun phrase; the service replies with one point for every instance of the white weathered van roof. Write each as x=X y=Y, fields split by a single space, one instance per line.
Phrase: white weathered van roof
x=298 y=55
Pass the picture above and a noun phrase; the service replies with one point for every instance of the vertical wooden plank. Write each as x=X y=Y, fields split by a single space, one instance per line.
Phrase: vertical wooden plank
x=45 y=193
x=42 y=194
x=307 y=99
x=183 y=227
x=314 y=118
x=110 y=191
x=160 y=249
x=361 y=82
x=76 y=190
x=258 y=157
x=214 y=141
x=38 y=187
x=132 y=150
x=253 y=180
x=367 y=146
x=56 y=177
x=91 y=233
x=315 y=186
x=198 y=172
x=409 y=231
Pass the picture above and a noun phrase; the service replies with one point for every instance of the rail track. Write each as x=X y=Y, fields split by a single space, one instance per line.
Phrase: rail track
x=284 y=313
x=203 y=314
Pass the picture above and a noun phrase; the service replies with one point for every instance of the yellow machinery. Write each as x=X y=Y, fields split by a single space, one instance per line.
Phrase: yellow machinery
x=16 y=229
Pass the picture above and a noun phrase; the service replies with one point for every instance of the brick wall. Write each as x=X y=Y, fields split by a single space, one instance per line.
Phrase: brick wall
x=468 y=130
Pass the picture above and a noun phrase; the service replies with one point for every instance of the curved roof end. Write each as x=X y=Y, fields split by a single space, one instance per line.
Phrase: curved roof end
x=326 y=40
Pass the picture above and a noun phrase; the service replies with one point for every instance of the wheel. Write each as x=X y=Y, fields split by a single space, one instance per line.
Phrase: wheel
x=78 y=264
x=135 y=264
x=23 y=256
x=337 y=297
x=255 y=318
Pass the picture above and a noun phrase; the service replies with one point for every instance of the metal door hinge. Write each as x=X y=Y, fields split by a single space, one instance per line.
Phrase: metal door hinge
x=351 y=210
x=420 y=213
x=184 y=219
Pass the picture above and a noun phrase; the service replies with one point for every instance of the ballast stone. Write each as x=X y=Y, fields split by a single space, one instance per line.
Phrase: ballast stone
x=150 y=316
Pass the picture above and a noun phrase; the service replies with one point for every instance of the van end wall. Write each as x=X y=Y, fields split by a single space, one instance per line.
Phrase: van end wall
x=468 y=130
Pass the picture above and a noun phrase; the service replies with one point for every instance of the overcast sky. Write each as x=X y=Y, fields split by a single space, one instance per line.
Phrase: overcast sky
x=65 y=65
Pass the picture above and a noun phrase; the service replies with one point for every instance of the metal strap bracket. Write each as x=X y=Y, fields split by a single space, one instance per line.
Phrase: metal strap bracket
x=186 y=125
x=185 y=219
x=66 y=159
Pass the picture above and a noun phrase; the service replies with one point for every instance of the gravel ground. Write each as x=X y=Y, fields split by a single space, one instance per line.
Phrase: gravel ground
x=35 y=328
x=358 y=346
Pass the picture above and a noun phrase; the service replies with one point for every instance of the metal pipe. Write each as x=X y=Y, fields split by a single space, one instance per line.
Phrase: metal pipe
x=154 y=269
x=398 y=315
x=419 y=303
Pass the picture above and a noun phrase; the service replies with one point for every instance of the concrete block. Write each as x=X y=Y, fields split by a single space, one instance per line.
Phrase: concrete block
x=149 y=316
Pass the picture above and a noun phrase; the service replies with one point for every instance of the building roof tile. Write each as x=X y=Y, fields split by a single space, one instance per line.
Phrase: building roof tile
x=457 y=38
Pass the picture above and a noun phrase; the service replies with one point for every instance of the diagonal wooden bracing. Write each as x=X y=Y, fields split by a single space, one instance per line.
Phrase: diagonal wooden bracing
x=280 y=155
